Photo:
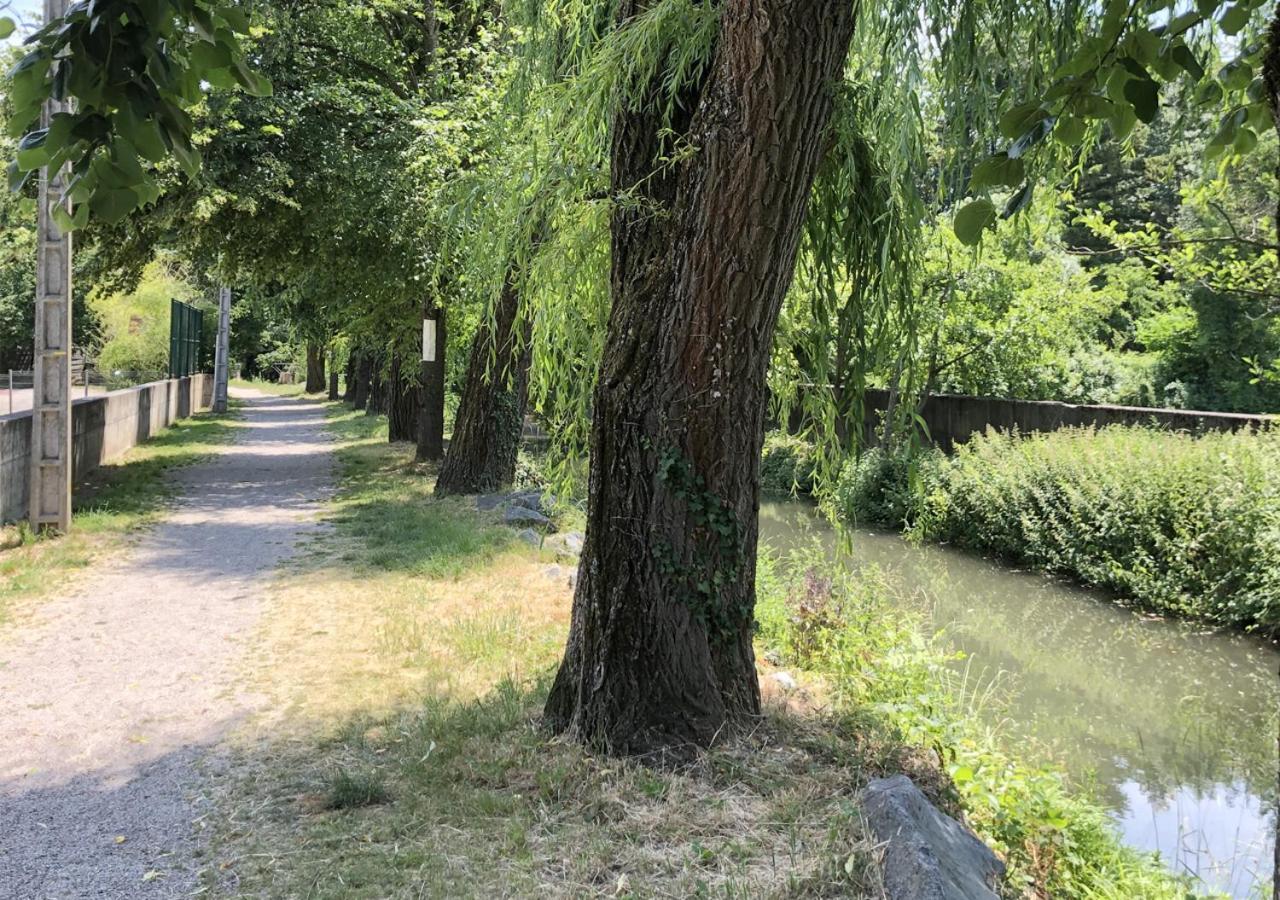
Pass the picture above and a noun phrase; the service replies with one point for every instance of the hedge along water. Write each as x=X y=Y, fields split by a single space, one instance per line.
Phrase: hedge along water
x=1172 y=724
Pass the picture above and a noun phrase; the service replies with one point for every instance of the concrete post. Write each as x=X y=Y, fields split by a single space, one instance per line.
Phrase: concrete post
x=222 y=349
x=51 y=395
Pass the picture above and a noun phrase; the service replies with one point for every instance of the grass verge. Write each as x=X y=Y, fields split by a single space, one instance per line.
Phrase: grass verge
x=406 y=659
x=116 y=500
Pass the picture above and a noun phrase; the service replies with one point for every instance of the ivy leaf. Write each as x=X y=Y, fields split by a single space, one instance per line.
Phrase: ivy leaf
x=974 y=218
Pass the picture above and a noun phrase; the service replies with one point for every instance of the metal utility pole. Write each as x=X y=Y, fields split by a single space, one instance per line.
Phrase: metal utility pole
x=51 y=397
x=221 y=363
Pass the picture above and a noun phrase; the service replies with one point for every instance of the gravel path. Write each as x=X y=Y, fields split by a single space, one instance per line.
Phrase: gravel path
x=115 y=694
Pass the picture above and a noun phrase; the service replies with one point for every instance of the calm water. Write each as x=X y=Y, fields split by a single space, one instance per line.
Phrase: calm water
x=1173 y=724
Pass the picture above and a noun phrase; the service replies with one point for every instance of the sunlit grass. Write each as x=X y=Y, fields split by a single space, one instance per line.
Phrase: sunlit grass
x=118 y=499
x=269 y=387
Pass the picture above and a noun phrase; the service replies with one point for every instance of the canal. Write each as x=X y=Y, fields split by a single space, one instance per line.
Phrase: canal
x=1171 y=725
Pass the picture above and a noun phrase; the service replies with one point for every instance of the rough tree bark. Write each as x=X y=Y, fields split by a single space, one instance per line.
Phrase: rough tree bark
x=402 y=403
x=431 y=392
x=486 y=433
x=377 y=403
x=315 y=369
x=659 y=656
x=364 y=381
x=349 y=387
x=333 y=375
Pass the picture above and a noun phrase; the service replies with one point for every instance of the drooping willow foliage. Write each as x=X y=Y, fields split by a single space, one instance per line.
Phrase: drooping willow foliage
x=920 y=104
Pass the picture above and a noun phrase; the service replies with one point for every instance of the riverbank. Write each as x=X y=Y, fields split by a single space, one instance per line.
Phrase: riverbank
x=1177 y=524
x=409 y=656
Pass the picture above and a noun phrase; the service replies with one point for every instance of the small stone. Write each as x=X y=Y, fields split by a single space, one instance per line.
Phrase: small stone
x=518 y=515
x=785 y=681
x=573 y=543
x=491 y=501
x=553 y=572
x=530 y=537
x=927 y=854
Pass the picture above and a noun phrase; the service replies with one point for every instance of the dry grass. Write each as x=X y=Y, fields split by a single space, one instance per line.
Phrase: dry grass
x=405 y=756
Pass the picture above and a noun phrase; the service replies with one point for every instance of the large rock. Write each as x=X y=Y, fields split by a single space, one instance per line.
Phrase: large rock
x=519 y=516
x=927 y=854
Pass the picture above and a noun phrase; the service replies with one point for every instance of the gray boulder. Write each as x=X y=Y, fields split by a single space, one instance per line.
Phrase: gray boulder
x=520 y=517
x=530 y=537
x=567 y=544
x=927 y=854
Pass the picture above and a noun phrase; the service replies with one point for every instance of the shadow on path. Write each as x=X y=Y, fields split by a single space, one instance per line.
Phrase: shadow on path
x=118 y=691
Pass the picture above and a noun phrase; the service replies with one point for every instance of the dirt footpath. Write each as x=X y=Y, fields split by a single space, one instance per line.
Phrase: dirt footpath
x=115 y=693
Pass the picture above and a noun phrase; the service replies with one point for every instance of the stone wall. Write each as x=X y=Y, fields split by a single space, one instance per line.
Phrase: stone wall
x=953 y=418
x=103 y=428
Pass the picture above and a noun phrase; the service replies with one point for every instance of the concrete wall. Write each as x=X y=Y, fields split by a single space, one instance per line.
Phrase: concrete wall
x=103 y=428
x=952 y=418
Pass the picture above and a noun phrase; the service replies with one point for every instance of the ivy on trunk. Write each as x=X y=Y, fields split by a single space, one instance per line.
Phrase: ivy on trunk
x=660 y=655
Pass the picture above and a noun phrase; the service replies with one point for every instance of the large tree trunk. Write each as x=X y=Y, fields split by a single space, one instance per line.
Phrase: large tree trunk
x=315 y=369
x=431 y=393
x=402 y=403
x=333 y=374
x=349 y=387
x=486 y=433
x=364 y=382
x=377 y=391
x=659 y=655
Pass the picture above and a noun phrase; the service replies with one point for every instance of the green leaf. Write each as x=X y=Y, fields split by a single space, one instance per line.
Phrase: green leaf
x=1092 y=106
x=1144 y=94
x=1183 y=56
x=996 y=171
x=1236 y=75
x=973 y=219
x=32 y=153
x=113 y=205
x=1019 y=201
x=7 y=27
x=1245 y=140
x=1234 y=19
x=1069 y=131
x=1015 y=122
x=1039 y=130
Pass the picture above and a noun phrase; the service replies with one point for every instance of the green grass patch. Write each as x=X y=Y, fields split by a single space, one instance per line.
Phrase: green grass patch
x=1180 y=524
x=386 y=501
x=118 y=499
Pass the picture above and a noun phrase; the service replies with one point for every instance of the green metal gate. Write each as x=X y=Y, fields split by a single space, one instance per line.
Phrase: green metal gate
x=186 y=332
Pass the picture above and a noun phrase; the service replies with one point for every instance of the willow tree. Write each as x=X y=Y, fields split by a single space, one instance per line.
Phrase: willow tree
x=710 y=122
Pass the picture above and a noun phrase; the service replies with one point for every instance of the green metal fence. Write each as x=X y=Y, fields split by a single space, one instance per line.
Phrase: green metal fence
x=186 y=333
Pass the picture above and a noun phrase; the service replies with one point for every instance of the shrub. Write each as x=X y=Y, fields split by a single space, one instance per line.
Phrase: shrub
x=891 y=489
x=787 y=465
x=1182 y=524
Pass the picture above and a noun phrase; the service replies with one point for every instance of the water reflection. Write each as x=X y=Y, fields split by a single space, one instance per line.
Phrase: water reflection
x=1174 y=724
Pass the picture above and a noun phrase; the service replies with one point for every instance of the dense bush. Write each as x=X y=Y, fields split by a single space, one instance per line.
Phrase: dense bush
x=1187 y=525
x=847 y=627
x=786 y=465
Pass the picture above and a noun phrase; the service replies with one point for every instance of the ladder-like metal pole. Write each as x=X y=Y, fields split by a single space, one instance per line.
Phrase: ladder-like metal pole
x=221 y=362
x=51 y=394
